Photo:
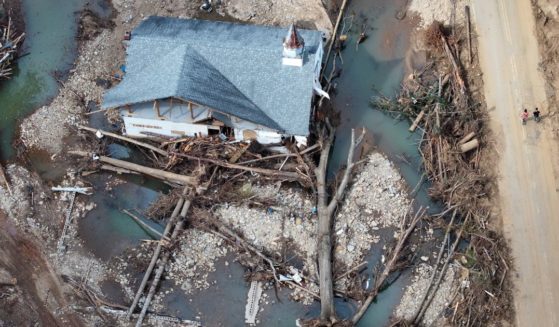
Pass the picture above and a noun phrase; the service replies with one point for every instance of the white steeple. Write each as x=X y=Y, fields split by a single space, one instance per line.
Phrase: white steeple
x=293 y=48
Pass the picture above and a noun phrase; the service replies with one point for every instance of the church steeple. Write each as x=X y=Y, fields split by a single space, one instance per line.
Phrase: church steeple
x=293 y=48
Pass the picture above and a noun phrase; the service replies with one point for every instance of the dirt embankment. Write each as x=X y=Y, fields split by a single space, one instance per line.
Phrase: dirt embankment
x=39 y=212
x=37 y=296
x=547 y=31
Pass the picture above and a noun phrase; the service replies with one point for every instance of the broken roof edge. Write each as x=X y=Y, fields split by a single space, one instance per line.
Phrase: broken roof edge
x=119 y=106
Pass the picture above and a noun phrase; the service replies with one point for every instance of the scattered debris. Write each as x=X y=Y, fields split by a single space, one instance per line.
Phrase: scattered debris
x=60 y=247
x=81 y=190
x=9 y=42
x=253 y=297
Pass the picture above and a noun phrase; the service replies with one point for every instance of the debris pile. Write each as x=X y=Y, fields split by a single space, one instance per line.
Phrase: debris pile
x=454 y=136
x=9 y=42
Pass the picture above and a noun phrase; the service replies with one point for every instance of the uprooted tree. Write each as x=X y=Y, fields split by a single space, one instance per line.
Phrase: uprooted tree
x=326 y=209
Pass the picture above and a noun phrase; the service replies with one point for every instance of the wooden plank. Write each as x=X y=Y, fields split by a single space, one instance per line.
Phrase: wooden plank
x=157 y=173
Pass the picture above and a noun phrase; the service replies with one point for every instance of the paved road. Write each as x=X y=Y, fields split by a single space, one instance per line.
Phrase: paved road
x=529 y=191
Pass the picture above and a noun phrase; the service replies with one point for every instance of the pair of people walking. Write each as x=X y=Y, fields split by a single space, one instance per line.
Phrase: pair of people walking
x=525 y=115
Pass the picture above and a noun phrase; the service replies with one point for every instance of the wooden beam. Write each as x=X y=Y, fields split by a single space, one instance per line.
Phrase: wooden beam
x=469 y=31
x=268 y=172
x=157 y=173
x=156 y=107
x=190 y=108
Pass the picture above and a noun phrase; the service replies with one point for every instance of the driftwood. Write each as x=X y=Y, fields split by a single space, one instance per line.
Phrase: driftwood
x=81 y=190
x=177 y=229
x=119 y=170
x=439 y=257
x=416 y=121
x=60 y=245
x=334 y=32
x=9 y=43
x=288 y=155
x=157 y=173
x=432 y=290
x=456 y=68
x=390 y=265
x=4 y=180
x=468 y=146
x=124 y=138
x=155 y=256
x=326 y=212
x=466 y=138
x=293 y=176
x=469 y=31
x=356 y=268
x=146 y=226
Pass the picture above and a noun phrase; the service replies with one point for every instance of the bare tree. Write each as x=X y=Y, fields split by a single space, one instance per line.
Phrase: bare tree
x=326 y=212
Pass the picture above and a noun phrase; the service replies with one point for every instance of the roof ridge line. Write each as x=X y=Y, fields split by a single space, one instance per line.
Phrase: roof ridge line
x=262 y=112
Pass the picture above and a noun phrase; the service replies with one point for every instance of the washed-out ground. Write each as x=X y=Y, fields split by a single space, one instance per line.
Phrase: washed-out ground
x=32 y=208
x=375 y=203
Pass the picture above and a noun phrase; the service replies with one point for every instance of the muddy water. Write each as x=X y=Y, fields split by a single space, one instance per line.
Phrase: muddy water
x=106 y=230
x=51 y=27
x=376 y=66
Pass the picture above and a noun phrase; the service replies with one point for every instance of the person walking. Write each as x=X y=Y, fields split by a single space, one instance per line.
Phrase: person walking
x=537 y=115
x=524 y=116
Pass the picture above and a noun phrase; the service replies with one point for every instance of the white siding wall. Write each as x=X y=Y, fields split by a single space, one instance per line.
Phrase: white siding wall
x=134 y=126
x=267 y=137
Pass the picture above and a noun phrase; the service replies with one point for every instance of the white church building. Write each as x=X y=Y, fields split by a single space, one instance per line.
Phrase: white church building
x=188 y=77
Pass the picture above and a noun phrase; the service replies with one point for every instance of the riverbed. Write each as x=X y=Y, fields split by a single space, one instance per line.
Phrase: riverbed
x=378 y=64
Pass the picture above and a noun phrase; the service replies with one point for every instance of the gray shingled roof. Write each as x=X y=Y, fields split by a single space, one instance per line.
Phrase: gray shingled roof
x=236 y=69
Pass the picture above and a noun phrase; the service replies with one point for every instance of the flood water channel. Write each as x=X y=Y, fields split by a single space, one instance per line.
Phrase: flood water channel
x=378 y=64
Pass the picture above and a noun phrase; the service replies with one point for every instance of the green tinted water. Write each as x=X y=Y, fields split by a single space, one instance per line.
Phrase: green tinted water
x=51 y=27
x=376 y=66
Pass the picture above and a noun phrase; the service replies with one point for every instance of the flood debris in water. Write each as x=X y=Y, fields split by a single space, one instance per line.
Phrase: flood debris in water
x=242 y=199
x=444 y=102
x=10 y=40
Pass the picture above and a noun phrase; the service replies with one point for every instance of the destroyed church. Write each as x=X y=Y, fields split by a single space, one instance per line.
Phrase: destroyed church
x=188 y=77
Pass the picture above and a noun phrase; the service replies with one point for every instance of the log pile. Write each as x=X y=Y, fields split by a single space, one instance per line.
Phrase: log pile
x=9 y=44
x=174 y=161
x=454 y=135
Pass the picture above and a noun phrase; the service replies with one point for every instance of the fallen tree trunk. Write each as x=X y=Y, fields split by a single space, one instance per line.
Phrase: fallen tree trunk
x=326 y=212
x=178 y=228
x=155 y=256
x=307 y=150
x=389 y=267
x=334 y=32
x=126 y=139
x=157 y=173
x=119 y=170
x=432 y=290
x=146 y=226
x=293 y=176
